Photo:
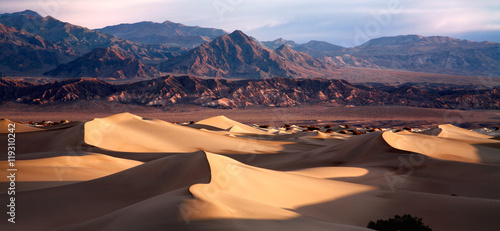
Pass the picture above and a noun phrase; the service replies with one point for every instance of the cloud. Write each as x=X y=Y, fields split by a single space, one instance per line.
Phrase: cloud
x=452 y=17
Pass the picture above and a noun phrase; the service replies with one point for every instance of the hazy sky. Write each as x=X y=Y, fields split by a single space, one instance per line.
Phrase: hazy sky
x=345 y=23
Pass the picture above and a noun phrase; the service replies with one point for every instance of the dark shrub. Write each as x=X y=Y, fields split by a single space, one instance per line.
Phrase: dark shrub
x=354 y=132
x=401 y=223
x=408 y=129
x=312 y=128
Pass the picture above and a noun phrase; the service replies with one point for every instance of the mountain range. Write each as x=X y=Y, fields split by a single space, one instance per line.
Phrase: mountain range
x=435 y=54
x=66 y=43
x=238 y=56
x=22 y=51
x=223 y=93
x=32 y=45
x=314 y=48
x=104 y=62
x=80 y=40
x=169 y=33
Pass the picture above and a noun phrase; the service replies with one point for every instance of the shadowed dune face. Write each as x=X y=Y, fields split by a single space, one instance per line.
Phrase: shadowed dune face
x=125 y=172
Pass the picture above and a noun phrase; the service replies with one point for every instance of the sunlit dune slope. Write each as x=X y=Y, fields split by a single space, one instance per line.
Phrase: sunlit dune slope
x=125 y=172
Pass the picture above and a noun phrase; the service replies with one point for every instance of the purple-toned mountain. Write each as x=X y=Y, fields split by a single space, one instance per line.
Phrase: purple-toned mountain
x=301 y=59
x=21 y=51
x=317 y=48
x=417 y=42
x=434 y=54
x=80 y=39
x=31 y=45
x=238 y=56
x=275 y=44
x=104 y=62
x=314 y=48
x=169 y=33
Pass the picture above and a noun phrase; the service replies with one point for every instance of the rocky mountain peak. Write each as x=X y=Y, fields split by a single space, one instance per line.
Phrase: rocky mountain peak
x=239 y=37
x=105 y=54
x=239 y=56
x=285 y=48
x=28 y=13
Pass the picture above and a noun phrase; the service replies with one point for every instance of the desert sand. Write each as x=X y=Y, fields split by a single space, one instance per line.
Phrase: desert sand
x=125 y=172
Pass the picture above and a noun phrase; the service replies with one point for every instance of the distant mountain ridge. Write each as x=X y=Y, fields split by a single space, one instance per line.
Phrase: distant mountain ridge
x=417 y=41
x=169 y=33
x=313 y=48
x=433 y=54
x=80 y=39
x=223 y=93
x=275 y=44
x=31 y=45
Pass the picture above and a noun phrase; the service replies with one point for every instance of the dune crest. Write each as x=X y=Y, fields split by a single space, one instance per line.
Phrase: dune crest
x=129 y=133
x=125 y=172
x=224 y=123
x=443 y=148
x=453 y=132
x=4 y=126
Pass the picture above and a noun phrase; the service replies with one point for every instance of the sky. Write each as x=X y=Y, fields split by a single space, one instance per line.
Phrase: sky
x=345 y=23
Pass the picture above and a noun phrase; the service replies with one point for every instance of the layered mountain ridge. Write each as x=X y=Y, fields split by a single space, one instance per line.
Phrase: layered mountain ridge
x=22 y=51
x=169 y=33
x=32 y=45
x=80 y=39
x=433 y=54
x=104 y=62
x=223 y=93
x=64 y=42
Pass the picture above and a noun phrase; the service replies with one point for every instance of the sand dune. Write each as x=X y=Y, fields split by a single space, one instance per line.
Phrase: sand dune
x=451 y=132
x=447 y=149
x=128 y=133
x=224 y=123
x=69 y=168
x=219 y=174
x=4 y=126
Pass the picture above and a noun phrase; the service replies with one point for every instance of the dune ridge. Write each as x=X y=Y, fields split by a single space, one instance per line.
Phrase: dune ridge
x=125 y=172
x=4 y=126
